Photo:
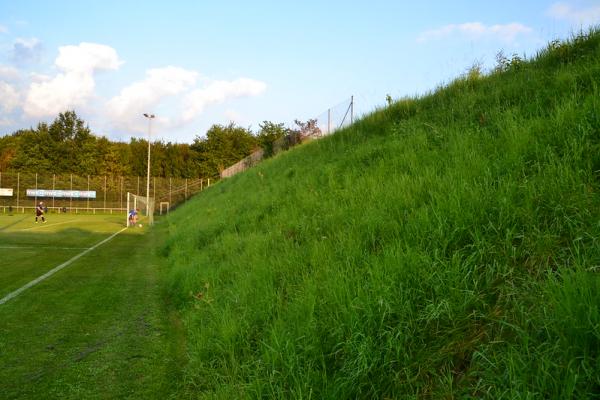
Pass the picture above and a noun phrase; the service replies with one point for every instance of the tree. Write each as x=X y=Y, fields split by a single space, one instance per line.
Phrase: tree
x=303 y=131
x=73 y=147
x=223 y=146
x=269 y=133
x=138 y=156
x=179 y=161
x=110 y=158
x=308 y=128
x=8 y=151
x=33 y=150
x=68 y=146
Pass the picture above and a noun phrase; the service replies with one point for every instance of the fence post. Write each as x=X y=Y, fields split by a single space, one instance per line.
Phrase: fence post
x=71 y=194
x=88 y=197
x=104 y=193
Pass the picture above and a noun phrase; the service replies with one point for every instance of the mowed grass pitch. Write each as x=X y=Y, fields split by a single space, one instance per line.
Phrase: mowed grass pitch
x=95 y=329
x=29 y=250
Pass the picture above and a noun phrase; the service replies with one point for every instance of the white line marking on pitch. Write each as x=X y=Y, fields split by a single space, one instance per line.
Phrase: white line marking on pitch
x=45 y=226
x=55 y=269
x=44 y=247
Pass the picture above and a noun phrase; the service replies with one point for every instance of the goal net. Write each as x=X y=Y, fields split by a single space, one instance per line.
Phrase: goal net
x=140 y=210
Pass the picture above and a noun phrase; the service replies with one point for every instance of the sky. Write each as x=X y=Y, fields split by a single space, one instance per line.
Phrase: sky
x=197 y=63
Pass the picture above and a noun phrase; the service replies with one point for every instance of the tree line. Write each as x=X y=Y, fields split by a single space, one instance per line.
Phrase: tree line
x=67 y=145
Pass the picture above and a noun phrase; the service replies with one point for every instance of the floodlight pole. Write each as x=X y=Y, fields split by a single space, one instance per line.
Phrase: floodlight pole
x=150 y=117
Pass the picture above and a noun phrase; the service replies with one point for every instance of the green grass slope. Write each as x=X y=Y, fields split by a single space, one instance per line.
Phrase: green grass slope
x=442 y=247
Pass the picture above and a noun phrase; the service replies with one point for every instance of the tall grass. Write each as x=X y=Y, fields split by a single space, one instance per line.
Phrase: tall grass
x=442 y=247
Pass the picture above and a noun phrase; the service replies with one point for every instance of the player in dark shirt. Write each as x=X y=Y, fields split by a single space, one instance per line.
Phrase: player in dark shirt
x=39 y=212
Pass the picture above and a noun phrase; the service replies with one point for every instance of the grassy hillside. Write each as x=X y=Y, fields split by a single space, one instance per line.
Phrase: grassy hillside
x=443 y=247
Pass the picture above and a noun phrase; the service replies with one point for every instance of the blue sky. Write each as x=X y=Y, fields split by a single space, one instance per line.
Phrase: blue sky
x=197 y=63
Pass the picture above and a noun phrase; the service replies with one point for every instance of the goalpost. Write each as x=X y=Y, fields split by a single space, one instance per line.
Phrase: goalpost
x=167 y=206
x=145 y=209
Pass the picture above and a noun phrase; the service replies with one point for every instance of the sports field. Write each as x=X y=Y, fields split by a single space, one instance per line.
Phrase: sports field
x=29 y=250
x=80 y=309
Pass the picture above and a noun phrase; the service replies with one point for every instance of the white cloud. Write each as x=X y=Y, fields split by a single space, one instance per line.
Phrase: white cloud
x=145 y=96
x=63 y=92
x=165 y=86
x=35 y=77
x=87 y=57
x=9 y=97
x=75 y=85
x=3 y=29
x=9 y=73
x=564 y=11
x=27 y=51
x=219 y=91
x=176 y=96
x=476 y=30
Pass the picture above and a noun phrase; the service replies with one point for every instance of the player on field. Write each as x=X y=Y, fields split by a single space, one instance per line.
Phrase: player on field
x=133 y=217
x=39 y=212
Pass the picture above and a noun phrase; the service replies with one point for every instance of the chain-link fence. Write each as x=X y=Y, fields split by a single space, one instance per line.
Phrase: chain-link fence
x=243 y=164
x=336 y=117
x=94 y=194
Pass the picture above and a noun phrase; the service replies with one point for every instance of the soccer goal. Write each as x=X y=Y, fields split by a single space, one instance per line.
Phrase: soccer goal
x=166 y=205
x=139 y=210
